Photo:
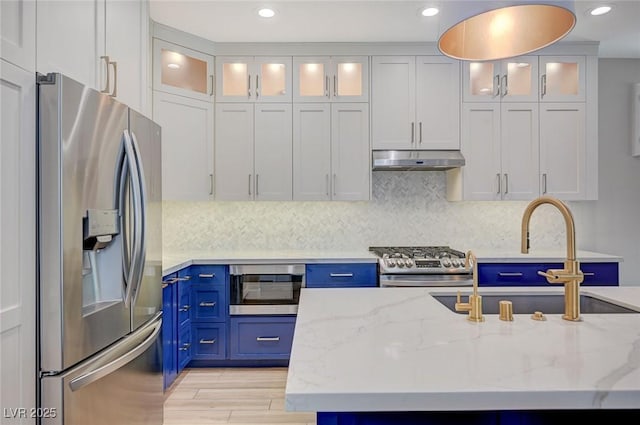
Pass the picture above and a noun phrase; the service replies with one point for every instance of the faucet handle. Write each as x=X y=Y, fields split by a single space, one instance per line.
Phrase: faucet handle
x=460 y=306
x=550 y=277
x=561 y=275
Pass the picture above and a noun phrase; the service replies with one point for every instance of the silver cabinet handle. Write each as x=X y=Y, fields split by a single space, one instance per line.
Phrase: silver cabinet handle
x=107 y=88
x=506 y=183
x=505 y=85
x=510 y=274
x=326 y=86
x=499 y=184
x=182 y=279
x=420 y=132
x=249 y=184
x=210 y=184
x=249 y=86
x=268 y=338
x=496 y=91
x=413 y=131
x=207 y=275
x=213 y=84
x=544 y=183
x=326 y=183
x=341 y=274
x=543 y=85
x=207 y=341
x=257 y=86
x=257 y=181
x=185 y=308
x=588 y=274
x=334 y=184
x=170 y=281
x=114 y=93
x=335 y=86
x=207 y=304
x=185 y=346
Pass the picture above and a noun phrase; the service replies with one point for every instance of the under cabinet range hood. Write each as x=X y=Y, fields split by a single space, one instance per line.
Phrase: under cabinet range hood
x=416 y=160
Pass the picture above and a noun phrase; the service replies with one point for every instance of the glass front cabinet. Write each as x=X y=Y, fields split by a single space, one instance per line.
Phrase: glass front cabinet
x=182 y=71
x=253 y=79
x=331 y=79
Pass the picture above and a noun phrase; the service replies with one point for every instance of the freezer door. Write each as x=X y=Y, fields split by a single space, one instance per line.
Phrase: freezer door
x=122 y=385
x=82 y=282
x=147 y=297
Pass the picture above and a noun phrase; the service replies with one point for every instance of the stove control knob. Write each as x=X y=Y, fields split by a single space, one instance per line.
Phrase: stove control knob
x=409 y=263
x=401 y=263
x=391 y=263
x=446 y=262
x=455 y=262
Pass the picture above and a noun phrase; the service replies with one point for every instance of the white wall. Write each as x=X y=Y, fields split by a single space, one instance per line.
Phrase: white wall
x=616 y=226
x=410 y=207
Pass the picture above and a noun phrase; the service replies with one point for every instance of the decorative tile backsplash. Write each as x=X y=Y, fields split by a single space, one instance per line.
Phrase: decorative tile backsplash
x=407 y=208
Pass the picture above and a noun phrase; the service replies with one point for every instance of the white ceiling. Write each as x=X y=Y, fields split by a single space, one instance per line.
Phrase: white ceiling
x=370 y=21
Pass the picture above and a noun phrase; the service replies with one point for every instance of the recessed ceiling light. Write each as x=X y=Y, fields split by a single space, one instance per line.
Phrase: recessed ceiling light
x=173 y=65
x=266 y=13
x=600 y=10
x=430 y=11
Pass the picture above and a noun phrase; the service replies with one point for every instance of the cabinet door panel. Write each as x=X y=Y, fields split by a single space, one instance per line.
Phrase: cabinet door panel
x=393 y=102
x=272 y=79
x=350 y=80
x=261 y=338
x=437 y=103
x=209 y=304
x=481 y=149
x=562 y=78
x=233 y=79
x=234 y=180
x=187 y=146
x=350 y=159
x=273 y=152
x=311 y=151
x=481 y=81
x=562 y=150
x=18 y=33
x=311 y=79
x=209 y=341
x=520 y=151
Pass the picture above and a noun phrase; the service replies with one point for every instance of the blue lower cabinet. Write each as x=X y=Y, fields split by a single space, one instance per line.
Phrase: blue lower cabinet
x=208 y=303
x=209 y=341
x=341 y=275
x=526 y=274
x=169 y=333
x=184 y=345
x=261 y=337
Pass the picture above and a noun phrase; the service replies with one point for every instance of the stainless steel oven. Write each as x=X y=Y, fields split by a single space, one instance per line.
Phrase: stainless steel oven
x=266 y=288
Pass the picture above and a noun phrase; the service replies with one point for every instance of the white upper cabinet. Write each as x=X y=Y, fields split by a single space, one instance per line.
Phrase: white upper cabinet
x=512 y=80
x=253 y=156
x=18 y=33
x=415 y=102
x=183 y=71
x=562 y=78
x=187 y=146
x=253 y=79
x=331 y=79
x=100 y=43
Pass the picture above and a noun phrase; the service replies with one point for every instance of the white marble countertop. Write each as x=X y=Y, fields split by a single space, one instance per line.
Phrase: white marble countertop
x=536 y=256
x=399 y=349
x=175 y=261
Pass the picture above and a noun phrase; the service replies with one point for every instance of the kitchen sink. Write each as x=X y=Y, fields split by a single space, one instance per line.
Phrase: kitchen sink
x=530 y=303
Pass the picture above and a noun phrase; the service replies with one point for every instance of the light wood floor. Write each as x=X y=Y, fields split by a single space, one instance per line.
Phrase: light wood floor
x=239 y=396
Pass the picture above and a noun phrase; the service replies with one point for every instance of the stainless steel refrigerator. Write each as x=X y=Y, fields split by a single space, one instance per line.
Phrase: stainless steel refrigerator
x=99 y=259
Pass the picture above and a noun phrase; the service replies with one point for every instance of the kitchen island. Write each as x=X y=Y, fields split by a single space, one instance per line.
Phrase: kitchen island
x=397 y=355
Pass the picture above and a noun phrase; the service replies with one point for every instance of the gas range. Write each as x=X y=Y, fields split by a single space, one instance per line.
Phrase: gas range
x=422 y=266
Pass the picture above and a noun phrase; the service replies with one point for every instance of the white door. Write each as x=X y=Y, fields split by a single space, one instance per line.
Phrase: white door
x=519 y=143
x=311 y=81
x=68 y=39
x=126 y=32
x=187 y=146
x=349 y=79
x=272 y=79
x=234 y=177
x=562 y=78
x=350 y=159
x=563 y=150
x=518 y=81
x=17 y=240
x=393 y=102
x=437 y=103
x=481 y=149
x=18 y=33
x=481 y=81
x=273 y=150
x=311 y=151
x=234 y=82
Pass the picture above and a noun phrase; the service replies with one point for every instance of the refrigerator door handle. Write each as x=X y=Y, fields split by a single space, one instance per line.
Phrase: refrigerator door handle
x=128 y=174
x=131 y=354
x=142 y=209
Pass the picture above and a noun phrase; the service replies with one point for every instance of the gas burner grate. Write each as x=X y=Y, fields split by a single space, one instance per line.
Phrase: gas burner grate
x=417 y=252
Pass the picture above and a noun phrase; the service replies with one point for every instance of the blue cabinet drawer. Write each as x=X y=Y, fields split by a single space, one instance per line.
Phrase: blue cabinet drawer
x=208 y=304
x=341 y=275
x=184 y=345
x=208 y=275
x=526 y=274
x=209 y=341
x=261 y=338
x=184 y=301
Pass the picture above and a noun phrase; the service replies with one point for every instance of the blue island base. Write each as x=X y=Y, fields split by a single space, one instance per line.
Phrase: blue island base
x=508 y=417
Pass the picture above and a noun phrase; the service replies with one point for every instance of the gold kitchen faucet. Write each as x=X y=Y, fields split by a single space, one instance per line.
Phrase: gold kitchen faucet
x=571 y=276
